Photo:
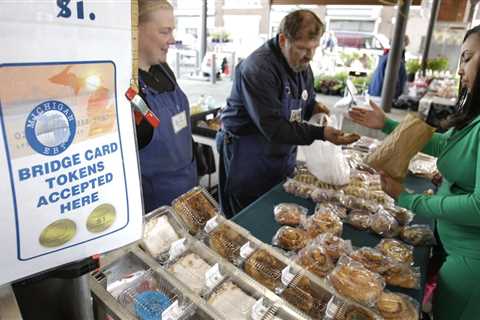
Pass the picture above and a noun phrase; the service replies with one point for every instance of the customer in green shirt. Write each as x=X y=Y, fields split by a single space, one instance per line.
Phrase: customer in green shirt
x=456 y=206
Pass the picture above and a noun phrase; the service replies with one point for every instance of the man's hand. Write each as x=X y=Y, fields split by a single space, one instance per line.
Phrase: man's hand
x=390 y=186
x=320 y=108
x=339 y=137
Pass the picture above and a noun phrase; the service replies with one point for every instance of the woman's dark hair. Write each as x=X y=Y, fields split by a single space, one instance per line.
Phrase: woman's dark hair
x=468 y=103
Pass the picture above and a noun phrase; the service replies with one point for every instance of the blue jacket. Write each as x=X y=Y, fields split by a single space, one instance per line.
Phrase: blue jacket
x=376 y=86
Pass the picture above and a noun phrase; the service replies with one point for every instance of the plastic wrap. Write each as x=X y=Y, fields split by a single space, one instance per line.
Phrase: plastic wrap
x=382 y=223
x=231 y=301
x=335 y=246
x=338 y=309
x=161 y=229
x=352 y=280
x=423 y=165
x=265 y=268
x=319 y=195
x=298 y=189
x=290 y=214
x=290 y=238
x=365 y=144
x=336 y=208
x=397 y=250
x=418 y=235
x=322 y=222
x=397 y=306
x=195 y=208
x=315 y=259
x=359 y=219
x=372 y=259
x=404 y=276
x=402 y=215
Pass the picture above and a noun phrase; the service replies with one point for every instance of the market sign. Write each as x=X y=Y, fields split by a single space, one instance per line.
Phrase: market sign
x=70 y=180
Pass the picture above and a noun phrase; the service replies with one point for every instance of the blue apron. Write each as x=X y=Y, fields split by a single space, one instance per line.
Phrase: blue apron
x=167 y=164
x=250 y=165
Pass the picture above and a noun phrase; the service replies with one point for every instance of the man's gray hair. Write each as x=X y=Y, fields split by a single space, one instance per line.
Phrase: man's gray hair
x=301 y=23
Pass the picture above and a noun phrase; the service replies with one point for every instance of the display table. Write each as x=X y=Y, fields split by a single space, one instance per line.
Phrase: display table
x=258 y=219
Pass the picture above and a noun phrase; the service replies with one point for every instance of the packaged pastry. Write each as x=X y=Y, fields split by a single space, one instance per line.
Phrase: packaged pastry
x=396 y=306
x=359 y=219
x=230 y=300
x=402 y=215
x=322 y=222
x=290 y=239
x=384 y=224
x=227 y=242
x=336 y=208
x=190 y=269
x=158 y=234
x=265 y=268
x=418 y=235
x=195 y=208
x=402 y=275
x=397 y=250
x=298 y=189
x=352 y=280
x=338 y=309
x=290 y=214
x=315 y=259
x=372 y=259
x=335 y=246
x=321 y=195
x=358 y=192
x=380 y=197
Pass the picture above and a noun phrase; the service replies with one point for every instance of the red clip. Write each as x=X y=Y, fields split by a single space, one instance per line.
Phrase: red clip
x=152 y=119
x=141 y=107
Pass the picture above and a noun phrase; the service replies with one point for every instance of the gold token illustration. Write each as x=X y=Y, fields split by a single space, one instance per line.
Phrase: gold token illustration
x=58 y=233
x=101 y=218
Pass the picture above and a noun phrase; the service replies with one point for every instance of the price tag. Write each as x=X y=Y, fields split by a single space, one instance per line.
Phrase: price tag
x=259 y=310
x=173 y=312
x=287 y=275
x=211 y=225
x=177 y=248
x=246 y=250
x=213 y=276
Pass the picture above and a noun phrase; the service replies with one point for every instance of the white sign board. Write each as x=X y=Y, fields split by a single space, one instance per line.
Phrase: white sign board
x=68 y=164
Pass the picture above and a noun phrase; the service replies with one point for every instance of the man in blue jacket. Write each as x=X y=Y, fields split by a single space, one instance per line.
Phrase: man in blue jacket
x=262 y=123
x=376 y=86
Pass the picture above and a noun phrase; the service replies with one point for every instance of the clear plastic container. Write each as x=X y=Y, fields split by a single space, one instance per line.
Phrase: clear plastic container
x=195 y=208
x=161 y=229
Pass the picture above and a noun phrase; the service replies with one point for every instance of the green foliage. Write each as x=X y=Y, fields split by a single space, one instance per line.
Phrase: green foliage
x=335 y=84
x=366 y=59
x=413 y=65
x=438 y=64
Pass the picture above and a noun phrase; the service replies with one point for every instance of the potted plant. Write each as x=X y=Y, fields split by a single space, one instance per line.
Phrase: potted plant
x=412 y=66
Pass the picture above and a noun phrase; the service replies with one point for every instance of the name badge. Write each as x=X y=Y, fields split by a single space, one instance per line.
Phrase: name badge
x=304 y=95
x=296 y=115
x=179 y=121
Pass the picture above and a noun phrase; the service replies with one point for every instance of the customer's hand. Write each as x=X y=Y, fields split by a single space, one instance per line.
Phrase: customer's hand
x=374 y=119
x=390 y=186
x=339 y=137
x=320 y=108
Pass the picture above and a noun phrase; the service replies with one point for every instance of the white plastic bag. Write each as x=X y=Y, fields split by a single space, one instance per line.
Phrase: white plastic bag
x=326 y=160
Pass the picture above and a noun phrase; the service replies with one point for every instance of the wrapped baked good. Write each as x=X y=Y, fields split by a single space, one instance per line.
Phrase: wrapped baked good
x=372 y=259
x=337 y=309
x=402 y=215
x=396 y=306
x=418 y=235
x=322 y=222
x=321 y=195
x=379 y=197
x=229 y=299
x=190 y=269
x=402 y=275
x=336 y=208
x=351 y=279
x=359 y=219
x=353 y=202
x=227 y=242
x=290 y=214
x=316 y=260
x=384 y=224
x=195 y=208
x=264 y=268
x=358 y=192
x=397 y=250
x=335 y=246
x=290 y=239
x=298 y=189
x=158 y=234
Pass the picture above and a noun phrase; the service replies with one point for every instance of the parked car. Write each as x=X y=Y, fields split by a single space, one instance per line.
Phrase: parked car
x=376 y=43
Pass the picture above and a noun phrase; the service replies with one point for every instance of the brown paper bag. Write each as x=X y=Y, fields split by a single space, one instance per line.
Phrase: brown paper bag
x=398 y=148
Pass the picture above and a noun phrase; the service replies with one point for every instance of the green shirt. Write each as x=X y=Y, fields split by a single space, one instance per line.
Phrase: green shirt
x=456 y=206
